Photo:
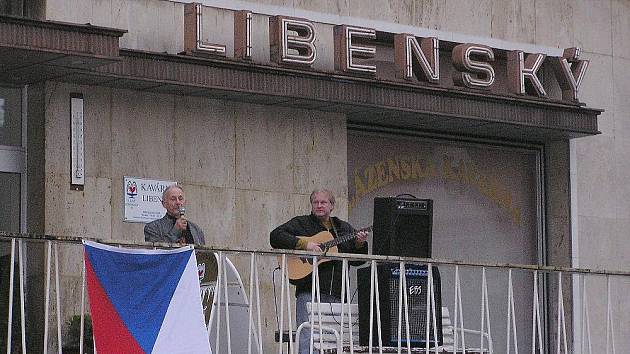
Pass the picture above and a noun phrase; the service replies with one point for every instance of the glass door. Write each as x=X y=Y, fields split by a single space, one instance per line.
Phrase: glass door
x=12 y=159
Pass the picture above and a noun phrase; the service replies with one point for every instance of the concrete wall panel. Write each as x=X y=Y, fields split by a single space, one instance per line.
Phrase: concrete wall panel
x=78 y=213
x=597 y=89
x=592 y=25
x=468 y=17
x=213 y=210
x=155 y=26
x=621 y=28
x=264 y=138
x=260 y=39
x=621 y=110
x=554 y=23
x=514 y=20
x=595 y=168
x=320 y=153
x=204 y=142
x=256 y=214
x=337 y=7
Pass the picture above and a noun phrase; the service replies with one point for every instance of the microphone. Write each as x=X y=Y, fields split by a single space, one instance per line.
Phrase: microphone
x=182 y=211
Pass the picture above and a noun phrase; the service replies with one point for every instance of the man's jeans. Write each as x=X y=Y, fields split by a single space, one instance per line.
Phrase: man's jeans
x=301 y=315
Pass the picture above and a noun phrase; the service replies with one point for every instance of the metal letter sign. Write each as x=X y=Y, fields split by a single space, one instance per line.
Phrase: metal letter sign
x=292 y=41
x=193 y=30
x=346 y=50
x=422 y=58
x=520 y=69
x=463 y=62
x=570 y=76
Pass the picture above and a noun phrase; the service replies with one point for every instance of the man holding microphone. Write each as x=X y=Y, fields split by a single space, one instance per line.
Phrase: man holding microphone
x=173 y=227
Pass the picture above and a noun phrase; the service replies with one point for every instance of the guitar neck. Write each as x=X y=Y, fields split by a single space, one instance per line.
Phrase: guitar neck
x=343 y=238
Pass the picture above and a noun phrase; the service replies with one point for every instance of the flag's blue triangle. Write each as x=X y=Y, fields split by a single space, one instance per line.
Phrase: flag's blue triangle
x=140 y=287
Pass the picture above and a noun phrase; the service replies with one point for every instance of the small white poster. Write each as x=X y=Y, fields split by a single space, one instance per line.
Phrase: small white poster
x=143 y=199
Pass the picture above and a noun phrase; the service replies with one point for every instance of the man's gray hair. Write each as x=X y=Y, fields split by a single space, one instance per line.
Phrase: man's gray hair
x=171 y=187
x=329 y=194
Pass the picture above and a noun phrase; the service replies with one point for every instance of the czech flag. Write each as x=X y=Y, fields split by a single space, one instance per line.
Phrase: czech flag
x=145 y=301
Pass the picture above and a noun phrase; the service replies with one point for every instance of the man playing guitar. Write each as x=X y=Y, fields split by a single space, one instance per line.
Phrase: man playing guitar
x=295 y=234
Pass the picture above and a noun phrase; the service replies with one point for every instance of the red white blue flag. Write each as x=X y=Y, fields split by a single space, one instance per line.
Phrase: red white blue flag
x=145 y=301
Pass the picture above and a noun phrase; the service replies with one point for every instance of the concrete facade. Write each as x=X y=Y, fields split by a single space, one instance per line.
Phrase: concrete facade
x=247 y=168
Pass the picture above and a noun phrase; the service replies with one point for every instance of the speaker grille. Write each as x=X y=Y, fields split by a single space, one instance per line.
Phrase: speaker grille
x=403 y=227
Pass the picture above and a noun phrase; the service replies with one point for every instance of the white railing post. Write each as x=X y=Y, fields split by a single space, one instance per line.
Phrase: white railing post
x=536 y=327
x=610 y=328
x=82 y=331
x=458 y=320
x=217 y=302
x=227 y=307
x=10 y=314
x=22 y=297
x=586 y=326
x=47 y=296
x=511 y=317
x=561 y=328
x=58 y=298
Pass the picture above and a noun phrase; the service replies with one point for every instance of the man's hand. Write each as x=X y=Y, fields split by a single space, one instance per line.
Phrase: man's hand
x=181 y=223
x=314 y=247
x=362 y=236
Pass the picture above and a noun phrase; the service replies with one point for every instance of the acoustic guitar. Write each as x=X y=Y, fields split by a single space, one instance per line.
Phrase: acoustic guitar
x=300 y=267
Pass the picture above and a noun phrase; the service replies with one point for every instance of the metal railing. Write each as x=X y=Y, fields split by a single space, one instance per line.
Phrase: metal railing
x=490 y=304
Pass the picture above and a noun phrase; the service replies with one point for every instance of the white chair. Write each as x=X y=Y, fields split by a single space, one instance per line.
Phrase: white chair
x=448 y=336
x=331 y=334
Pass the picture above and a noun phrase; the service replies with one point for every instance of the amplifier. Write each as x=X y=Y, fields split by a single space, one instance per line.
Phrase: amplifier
x=417 y=292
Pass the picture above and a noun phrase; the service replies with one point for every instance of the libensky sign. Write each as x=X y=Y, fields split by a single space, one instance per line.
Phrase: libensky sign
x=470 y=66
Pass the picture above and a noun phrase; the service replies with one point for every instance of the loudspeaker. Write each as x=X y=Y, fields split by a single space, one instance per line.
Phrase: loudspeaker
x=402 y=227
x=388 y=287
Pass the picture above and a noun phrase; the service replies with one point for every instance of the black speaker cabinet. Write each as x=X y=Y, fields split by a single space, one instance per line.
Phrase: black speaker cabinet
x=402 y=227
x=388 y=287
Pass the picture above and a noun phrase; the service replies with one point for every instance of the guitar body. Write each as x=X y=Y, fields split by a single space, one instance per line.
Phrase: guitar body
x=300 y=267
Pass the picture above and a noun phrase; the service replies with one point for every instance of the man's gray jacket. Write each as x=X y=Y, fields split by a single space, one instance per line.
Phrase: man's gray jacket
x=164 y=230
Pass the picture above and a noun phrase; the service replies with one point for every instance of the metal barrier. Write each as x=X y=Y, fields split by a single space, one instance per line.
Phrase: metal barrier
x=492 y=327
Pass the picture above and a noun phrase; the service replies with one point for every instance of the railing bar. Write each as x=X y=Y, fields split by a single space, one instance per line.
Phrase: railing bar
x=289 y=317
x=427 y=322
x=434 y=310
x=250 y=327
x=406 y=300
x=588 y=320
x=350 y=323
x=379 y=324
x=22 y=297
x=483 y=310
x=47 y=301
x=455 y=311
x=283 y=265
x=610 y=318
x=337 y=256
x=318 y=292
x=514 y=328
x=217 y=297
x=11 y=284
x=372 y=272
x=538 y=319
x=311 y=318
x=58 y=297
x=82 y=329
x=401 y=272
x=344 y=281
x=260 y=335
x=226 y=297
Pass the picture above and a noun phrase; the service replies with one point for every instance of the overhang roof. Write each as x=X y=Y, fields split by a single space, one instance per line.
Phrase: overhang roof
x=33 y=51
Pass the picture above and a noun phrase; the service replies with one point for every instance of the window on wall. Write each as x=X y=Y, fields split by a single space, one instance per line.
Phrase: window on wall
x=10 y=116
x=486 y=209
x=12 y=160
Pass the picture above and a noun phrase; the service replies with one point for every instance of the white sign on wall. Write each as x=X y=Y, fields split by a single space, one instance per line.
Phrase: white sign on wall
x=143 y=199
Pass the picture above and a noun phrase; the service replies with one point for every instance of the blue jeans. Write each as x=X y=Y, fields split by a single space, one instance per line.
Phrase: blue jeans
x=301 y=315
